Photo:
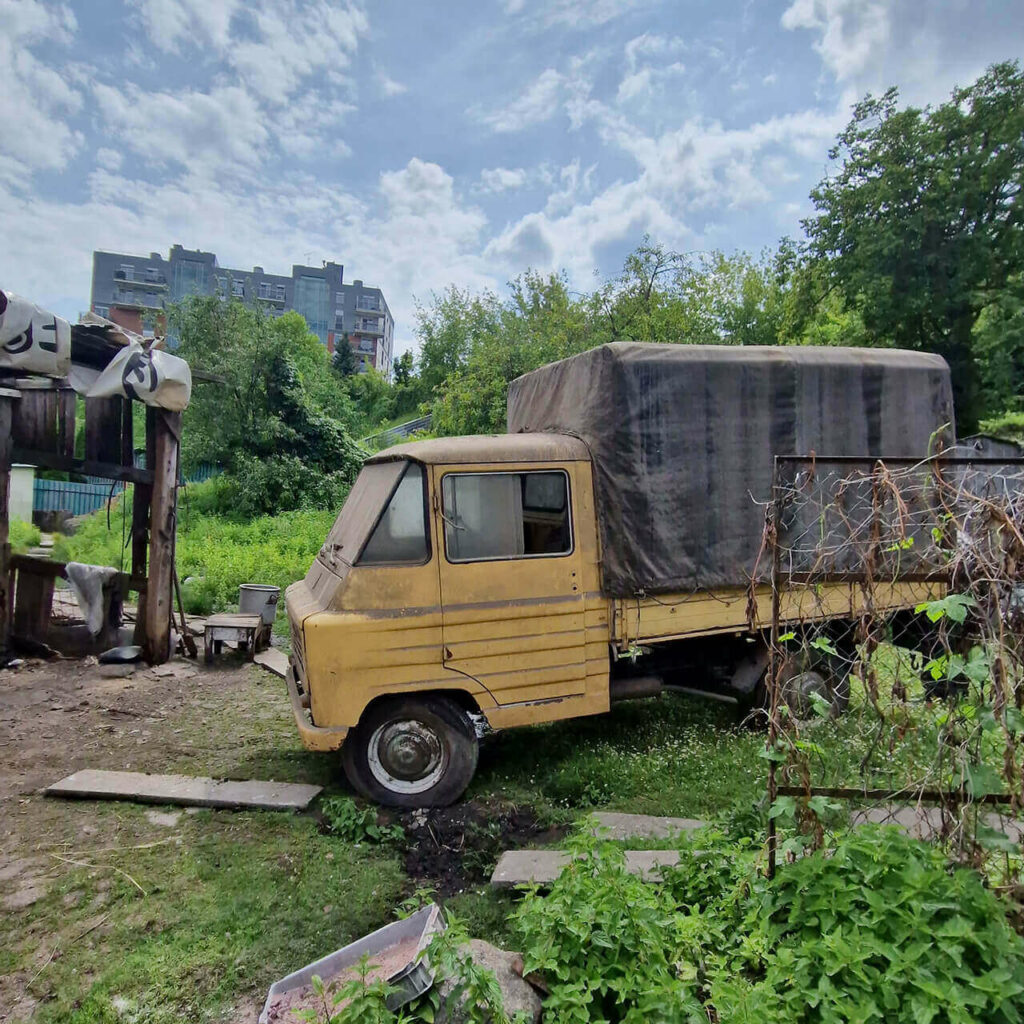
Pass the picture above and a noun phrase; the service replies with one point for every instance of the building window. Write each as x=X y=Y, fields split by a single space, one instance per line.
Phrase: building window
x=506 y=515
x=238 y=288
x=264 y=290
x=279 y=292
x=189 y=278
x=311 y=298
x=222 y=285
x=101 y=310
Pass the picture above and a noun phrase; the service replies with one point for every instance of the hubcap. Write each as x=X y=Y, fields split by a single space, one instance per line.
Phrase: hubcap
x=407 y=756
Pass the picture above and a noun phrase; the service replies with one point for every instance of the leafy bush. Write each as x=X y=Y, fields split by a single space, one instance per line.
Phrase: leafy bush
x=22 y=536
x=347 y=820
x=878 y=928
x=882 y=929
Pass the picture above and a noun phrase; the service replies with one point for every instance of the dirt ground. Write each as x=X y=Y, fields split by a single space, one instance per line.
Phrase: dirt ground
x=59 y=716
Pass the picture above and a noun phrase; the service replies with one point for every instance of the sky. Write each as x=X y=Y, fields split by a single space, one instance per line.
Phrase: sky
x=423 y=143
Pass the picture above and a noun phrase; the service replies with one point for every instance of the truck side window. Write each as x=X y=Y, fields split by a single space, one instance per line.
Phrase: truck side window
x=506 y=515
x=400 y=535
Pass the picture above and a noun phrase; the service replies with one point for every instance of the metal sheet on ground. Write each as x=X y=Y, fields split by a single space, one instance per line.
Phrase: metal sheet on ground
x=189 y=791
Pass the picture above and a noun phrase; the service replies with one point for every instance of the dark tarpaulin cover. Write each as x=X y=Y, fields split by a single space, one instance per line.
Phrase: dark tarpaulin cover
x=683 y=437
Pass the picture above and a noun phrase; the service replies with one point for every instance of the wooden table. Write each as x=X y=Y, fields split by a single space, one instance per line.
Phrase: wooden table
x=249 y=632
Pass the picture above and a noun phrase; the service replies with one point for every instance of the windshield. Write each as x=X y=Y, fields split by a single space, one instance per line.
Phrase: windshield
x=370 y=493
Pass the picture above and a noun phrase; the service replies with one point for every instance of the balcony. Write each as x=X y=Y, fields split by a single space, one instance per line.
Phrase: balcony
x=277 y=300
x=136 y=300
x=370 y=327
x=368 y=305
x=157 y=281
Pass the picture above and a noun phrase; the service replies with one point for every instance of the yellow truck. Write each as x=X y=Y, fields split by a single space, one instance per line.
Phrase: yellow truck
x=601 y=549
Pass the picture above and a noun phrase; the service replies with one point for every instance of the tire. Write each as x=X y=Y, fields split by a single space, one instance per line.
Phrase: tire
x=412 y=752
x=802 y=675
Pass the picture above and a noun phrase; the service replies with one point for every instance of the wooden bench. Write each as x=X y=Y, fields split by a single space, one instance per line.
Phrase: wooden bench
x=248 y=632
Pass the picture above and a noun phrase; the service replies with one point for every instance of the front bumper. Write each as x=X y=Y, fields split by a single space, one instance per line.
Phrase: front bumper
x=314 y=737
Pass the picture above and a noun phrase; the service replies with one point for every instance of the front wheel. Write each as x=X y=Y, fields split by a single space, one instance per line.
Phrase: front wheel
x=412 y=752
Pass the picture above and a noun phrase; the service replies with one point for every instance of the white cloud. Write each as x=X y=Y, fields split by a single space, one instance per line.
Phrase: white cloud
x=542 y=14
x=109 y=159
x=36 y=94
x=501 y=179
x=537 y=104
x=646 y=82
x=205 y=133
x=651 y=45
x=389 y=87
x=294 y=40
x=168 y=23
x=851 y=33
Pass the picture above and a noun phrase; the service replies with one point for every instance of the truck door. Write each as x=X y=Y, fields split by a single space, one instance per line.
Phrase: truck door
x=511 y=594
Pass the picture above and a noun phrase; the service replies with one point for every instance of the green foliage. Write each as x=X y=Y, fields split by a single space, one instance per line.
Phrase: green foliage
x=347 y=820
x=876 y=928
x=611 y=946
x=280 y=422
x=880 y=928
x=344 y=362
x=22 y=536
x=214 y=554
x=920 y=226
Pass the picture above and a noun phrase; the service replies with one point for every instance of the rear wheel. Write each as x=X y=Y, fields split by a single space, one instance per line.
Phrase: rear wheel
x=412 y=752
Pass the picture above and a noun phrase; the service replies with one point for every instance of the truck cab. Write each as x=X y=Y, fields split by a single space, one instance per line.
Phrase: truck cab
x=459 y=585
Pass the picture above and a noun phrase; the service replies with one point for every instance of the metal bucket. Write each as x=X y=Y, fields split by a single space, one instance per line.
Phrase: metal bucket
x=259 y=599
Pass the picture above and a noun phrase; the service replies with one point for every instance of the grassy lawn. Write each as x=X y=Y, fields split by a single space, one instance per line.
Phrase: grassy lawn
x=190 y=918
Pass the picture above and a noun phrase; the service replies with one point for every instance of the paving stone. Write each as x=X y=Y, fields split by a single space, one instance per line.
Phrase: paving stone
x=521 y=867
x=926 y=822
x=90 y=784
x=612 y=825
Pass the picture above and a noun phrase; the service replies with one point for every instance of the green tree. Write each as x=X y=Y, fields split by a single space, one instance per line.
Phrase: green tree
x=921 y=226
x=403 y=369
x=343 y=362
x=276 y=420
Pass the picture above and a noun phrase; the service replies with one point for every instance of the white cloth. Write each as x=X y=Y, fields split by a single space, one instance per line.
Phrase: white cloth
x=86 y=583
x=153 y=377
x=31 y=339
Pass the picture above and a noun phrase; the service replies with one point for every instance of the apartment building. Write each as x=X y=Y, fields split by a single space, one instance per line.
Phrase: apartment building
x=134 y=290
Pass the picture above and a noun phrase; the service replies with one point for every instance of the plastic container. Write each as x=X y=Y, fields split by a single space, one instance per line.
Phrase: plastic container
x=259 y=599
x=410 y=981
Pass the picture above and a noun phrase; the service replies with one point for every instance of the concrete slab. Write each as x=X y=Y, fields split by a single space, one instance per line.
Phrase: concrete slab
x=273 y=659
x=612 y=825
x=90 y=784
x=523 y=867
x=926 y=822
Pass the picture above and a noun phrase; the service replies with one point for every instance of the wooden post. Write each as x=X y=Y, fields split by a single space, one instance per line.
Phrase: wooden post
x=7 y=400
x=159 y=600
x=140 y=525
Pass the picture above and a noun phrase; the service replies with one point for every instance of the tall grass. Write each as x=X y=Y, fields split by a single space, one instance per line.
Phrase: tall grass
x=214 y=552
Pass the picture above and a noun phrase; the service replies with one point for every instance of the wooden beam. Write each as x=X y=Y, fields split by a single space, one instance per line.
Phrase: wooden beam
x=87 y=467
x=7 y=401
x=103 y=430
x=159 y=602
x=34 y=422
x=66 y=411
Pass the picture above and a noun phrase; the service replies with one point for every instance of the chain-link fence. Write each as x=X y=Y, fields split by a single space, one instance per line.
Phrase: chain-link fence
x=896 y=677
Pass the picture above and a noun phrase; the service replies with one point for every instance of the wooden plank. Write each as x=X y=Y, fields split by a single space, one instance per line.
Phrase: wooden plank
x=88 y=467
x=189 y=791
x=127 y=433
x=7 y=403
x=34 y=423
x=37 y=566
x=33 y=604
x=159 y=600
x=103 y=429
x=67 y=409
